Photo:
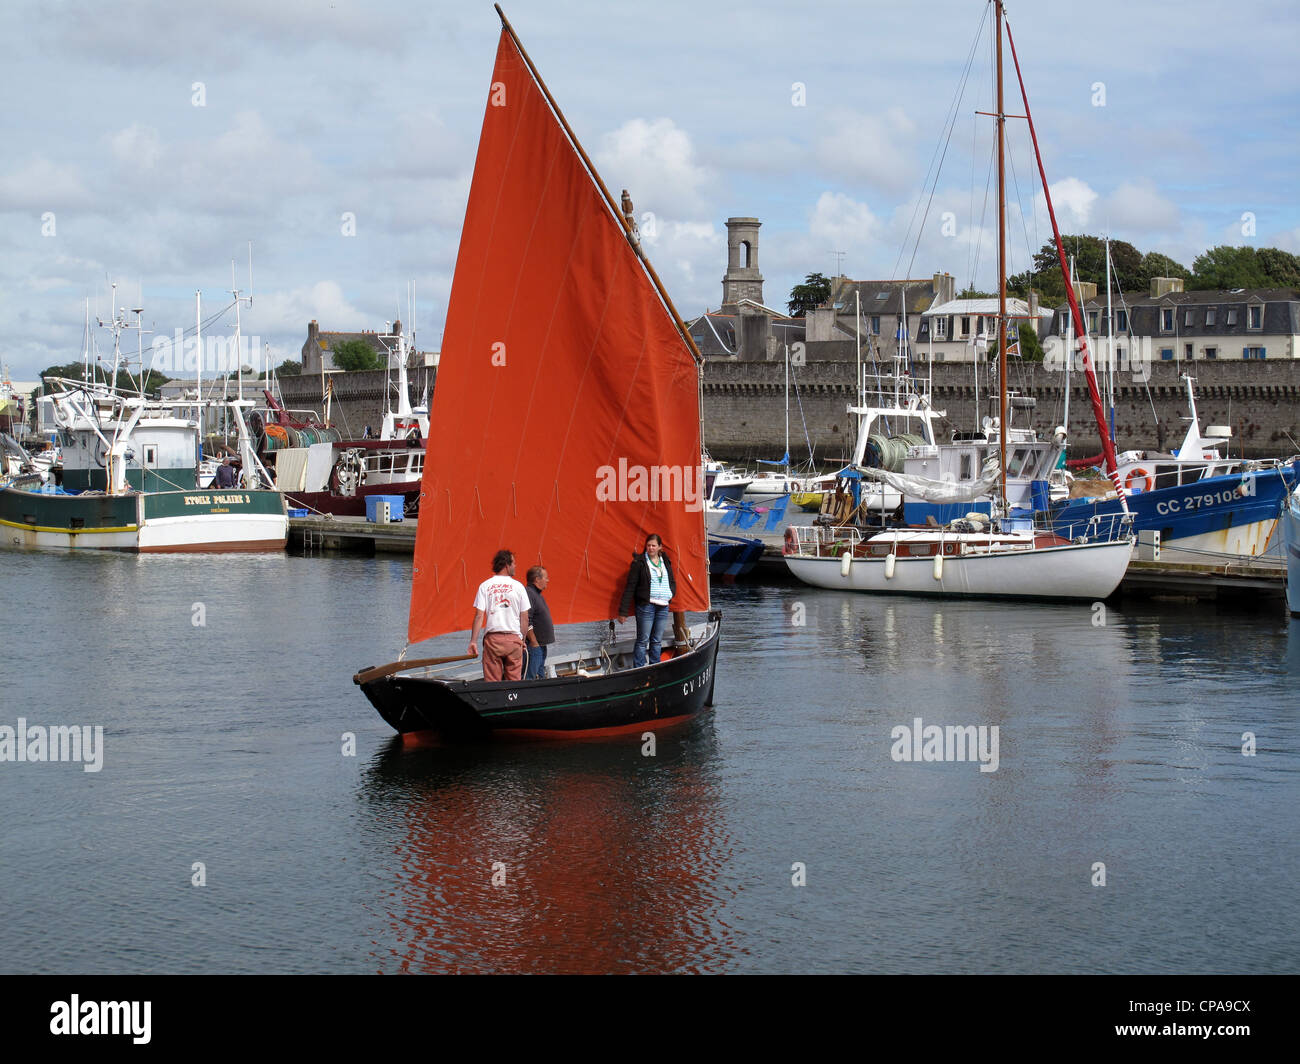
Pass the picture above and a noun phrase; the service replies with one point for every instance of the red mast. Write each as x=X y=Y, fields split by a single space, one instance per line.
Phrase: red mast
x=1099 y=413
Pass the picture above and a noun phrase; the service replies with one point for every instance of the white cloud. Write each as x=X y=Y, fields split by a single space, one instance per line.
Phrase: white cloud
x=843 y=222
x=1137 y=207
x=288 y=312
x=876 y=149
x=1073 y=201
x=136 y=146
x=655 y=161
x=40 y=184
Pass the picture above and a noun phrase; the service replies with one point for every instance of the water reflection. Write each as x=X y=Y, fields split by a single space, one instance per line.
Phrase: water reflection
x=567 y=857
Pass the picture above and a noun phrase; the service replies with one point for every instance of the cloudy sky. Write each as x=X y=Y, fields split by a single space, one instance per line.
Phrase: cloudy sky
x=150 y=142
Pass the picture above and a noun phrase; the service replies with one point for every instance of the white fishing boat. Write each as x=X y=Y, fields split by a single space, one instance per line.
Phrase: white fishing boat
x=130 y=478
x=130 y=482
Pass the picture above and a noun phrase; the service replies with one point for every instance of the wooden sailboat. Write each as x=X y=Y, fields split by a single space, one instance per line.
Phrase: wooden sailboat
x=565 y=428
x=968 y=558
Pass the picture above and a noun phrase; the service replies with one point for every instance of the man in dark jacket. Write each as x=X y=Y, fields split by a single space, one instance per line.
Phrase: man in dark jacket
x=541 y=632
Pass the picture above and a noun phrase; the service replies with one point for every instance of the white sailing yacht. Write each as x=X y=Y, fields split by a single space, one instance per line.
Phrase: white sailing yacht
x=1001 y=557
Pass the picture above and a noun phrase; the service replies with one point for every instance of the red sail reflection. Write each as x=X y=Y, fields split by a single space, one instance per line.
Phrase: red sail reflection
x=580 y=859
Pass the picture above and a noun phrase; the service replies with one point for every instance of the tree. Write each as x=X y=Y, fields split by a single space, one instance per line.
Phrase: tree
x=1245 y=267
x=1050 y=287
x=126 y=382
x=814 y=291
x=1228 y=267
x=1155 y=264
x=971 y=292
x=1280 y=267
x=1089 y=253
x=288 y=368
x=1030 y=349
x=353 y=355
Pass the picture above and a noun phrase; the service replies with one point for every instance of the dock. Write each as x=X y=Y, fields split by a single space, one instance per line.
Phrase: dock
x=350 y=535
x=1211 y=579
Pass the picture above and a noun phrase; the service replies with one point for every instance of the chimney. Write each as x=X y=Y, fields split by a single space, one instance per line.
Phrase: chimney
x=313 y=330
x=1084 y=291
x=1033 y=305
x=945 y=289
x=1163 y=285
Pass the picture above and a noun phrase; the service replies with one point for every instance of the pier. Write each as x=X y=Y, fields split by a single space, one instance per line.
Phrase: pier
x=1209 y=580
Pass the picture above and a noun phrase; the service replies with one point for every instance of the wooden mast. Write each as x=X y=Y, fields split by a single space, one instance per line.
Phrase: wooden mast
x=1002 y=273
x=609 y=199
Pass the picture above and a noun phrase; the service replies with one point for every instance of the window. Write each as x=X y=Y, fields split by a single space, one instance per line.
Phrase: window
x=1092 y=321
x=1167 y=320
x=1065 y=321
x=1209 y=317
x=875 y=325
x=1187 y=352
x=1232 y=316
x=1121 y=320
x=151 y=454
x=1167 y=354
x=1253 y=352
x=1211 y=352
x=1187 y=320
x=965 y=326
x=1019 y=459
x=1255 y=318
x=940 y=327
x=965 y=467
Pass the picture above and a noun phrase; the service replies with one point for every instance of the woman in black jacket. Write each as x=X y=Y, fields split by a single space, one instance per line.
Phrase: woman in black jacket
x=650 y=587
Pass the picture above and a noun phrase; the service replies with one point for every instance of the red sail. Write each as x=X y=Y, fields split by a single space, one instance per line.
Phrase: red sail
x=565 y=420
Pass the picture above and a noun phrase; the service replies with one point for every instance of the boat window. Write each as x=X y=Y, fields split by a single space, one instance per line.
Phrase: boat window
x=918 y=550
x=1166 y=476
x=966 y=466
x=1018 y=461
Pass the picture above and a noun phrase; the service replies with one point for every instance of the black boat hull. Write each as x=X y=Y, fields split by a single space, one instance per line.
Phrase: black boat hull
x=559 y=707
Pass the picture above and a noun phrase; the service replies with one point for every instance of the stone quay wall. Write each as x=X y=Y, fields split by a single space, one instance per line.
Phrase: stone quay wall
x=744 y=405
x=358 y=397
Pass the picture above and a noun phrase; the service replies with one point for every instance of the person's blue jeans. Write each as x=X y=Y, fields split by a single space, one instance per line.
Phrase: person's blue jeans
x=536 y=663
x=650 y=621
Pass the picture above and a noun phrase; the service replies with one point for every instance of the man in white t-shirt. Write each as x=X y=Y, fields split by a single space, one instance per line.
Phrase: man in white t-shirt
x=501 y=613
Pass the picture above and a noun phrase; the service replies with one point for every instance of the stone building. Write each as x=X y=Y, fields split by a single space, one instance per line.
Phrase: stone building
x=318 y=349
x=743 y=328
x=884 y=306
x=963 y=330
x=1168 y=324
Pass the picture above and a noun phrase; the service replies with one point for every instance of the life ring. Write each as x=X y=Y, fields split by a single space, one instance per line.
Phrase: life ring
x=1139 y=475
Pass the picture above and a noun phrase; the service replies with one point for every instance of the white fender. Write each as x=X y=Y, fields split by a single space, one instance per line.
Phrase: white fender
x=890 y=561
x=938 y=566
x=846 y=563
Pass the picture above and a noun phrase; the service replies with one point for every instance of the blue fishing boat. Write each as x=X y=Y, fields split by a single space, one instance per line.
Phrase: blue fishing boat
x=1203 y=504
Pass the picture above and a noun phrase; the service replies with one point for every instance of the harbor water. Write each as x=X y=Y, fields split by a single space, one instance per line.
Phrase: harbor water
x=252 y=813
